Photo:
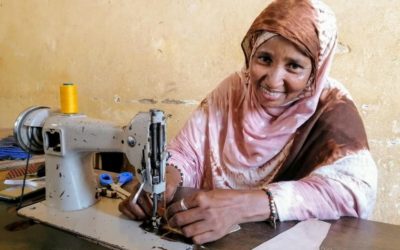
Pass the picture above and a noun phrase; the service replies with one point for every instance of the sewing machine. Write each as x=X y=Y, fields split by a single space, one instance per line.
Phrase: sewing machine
x=68 y=141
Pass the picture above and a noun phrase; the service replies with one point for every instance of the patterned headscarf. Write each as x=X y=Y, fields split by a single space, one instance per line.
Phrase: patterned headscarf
x=311 y=26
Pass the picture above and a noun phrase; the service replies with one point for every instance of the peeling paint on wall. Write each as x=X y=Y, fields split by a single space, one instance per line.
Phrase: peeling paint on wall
x=369 y=108
x=145 y=101
x=342 y=48
x=117 y=99
x=169 y=101
x=166 y=101
x=184 y=102
x=391 y=142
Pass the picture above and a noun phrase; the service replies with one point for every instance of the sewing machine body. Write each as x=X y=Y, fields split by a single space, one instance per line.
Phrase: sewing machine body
x=68 y=142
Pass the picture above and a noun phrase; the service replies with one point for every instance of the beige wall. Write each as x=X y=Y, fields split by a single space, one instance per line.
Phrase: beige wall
x=131 y=55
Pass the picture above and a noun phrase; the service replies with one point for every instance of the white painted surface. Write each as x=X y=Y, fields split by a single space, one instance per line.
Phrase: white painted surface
x=102 y=223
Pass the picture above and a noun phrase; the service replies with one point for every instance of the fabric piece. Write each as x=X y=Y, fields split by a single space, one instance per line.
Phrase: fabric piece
x=9 y=150
x=13 y=153
x=306 y=235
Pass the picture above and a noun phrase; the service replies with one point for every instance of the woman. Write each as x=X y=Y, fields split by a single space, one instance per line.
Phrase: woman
x=278 y=140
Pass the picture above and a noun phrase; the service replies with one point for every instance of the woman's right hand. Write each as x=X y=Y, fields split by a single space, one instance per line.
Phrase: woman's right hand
x=143 y=208
x=140 y=210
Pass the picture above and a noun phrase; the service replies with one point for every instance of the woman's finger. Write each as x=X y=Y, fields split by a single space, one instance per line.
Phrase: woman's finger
x=169 y=192
x=138 y=209
x=185 y=218
x=143 y=206
x=206 y=237
x=145 y=203
x=197 y=228
x=125 y=211
x=177 y=207
x=191 y=201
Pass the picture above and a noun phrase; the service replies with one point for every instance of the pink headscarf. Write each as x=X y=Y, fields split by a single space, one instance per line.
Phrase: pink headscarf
x=231 y=134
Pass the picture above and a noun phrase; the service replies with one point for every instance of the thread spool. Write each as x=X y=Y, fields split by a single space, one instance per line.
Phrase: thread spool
x=69 y=98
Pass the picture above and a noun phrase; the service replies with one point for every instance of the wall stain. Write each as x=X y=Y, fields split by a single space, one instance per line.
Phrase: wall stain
x=184 y=102
x=391 y=142
x=148 y=101
x=166 y=101
x=117 y=99
x=171 y=87
x=342 y=48
x=172 y=101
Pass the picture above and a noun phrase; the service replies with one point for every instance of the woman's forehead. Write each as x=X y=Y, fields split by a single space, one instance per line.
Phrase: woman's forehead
x=281 y=44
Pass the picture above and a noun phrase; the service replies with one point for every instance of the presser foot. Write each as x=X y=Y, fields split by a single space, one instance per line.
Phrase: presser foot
x=152 y=225
x=161 y=228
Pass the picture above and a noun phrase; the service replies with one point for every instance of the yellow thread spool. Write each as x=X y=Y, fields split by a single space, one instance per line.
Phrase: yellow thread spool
x=69 y=98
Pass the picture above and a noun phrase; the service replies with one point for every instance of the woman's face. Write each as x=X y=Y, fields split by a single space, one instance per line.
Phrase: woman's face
x=280 y=71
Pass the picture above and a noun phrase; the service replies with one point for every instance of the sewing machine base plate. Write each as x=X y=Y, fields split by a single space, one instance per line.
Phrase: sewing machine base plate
x=101 y=223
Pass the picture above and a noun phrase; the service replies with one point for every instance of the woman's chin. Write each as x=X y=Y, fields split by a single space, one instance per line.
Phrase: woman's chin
x=272 y=101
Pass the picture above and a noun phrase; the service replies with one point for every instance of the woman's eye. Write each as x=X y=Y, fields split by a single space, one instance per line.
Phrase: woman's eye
x=264 y=59
x=295 y=66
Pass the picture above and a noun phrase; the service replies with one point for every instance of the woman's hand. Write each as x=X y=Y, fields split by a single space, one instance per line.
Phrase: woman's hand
x=208 y=216
x=142 y=209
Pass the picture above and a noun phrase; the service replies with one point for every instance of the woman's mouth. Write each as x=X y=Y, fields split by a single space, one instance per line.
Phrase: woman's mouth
x=270 y=94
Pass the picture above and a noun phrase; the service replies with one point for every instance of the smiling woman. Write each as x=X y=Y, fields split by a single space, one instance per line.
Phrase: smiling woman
x=277 y=140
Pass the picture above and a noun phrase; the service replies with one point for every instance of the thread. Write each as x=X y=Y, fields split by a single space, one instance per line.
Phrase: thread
x=69 y=98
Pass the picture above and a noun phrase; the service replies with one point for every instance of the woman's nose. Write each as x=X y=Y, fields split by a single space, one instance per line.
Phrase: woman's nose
x=275 y=77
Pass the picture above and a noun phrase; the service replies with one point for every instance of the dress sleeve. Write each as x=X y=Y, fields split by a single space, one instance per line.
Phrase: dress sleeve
x=187 y=148
x=346 y=187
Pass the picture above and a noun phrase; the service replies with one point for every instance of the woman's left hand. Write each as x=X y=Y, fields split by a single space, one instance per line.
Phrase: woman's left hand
x=208 y=216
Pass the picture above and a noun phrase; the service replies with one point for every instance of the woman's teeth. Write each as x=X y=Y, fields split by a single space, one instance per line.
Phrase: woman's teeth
x=271 y=93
